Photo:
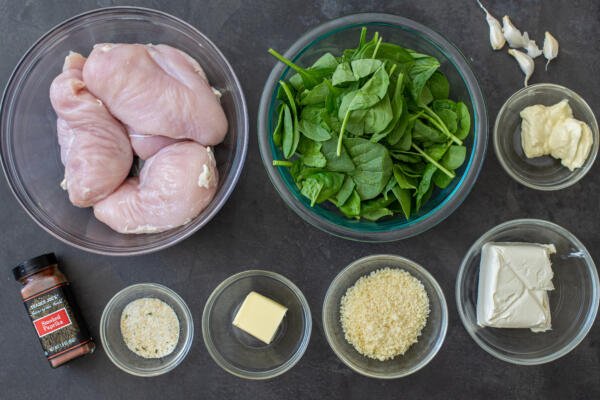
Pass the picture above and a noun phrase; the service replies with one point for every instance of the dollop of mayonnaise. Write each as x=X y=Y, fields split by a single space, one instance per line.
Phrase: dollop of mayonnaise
x=552 y=130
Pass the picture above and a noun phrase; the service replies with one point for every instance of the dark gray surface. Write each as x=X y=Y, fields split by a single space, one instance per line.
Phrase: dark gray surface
x=256 y=230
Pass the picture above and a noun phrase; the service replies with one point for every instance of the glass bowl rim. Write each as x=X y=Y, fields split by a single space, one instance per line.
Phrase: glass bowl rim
x=591 y=312
x=408 y=265
x=576 y=175
x=16 y=186
x=152 y=288
x=239 y=372
x=480 y=127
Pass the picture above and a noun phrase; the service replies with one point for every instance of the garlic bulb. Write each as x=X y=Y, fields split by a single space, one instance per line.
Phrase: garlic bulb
x=531 y=47
x=512 y=35
x=525 y=63
x=550 y=48
x=496 y=37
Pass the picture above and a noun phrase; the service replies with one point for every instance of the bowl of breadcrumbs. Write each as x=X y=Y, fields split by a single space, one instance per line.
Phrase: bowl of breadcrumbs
x=385 y=316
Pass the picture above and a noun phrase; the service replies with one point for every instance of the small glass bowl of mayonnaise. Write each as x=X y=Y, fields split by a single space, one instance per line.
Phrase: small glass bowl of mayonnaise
x=545 y=172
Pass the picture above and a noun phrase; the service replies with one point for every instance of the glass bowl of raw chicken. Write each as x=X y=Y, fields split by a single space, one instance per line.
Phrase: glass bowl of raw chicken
x=124 y=131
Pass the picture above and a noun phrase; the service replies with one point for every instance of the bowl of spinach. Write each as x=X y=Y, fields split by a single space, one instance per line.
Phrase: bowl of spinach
x=372 y=127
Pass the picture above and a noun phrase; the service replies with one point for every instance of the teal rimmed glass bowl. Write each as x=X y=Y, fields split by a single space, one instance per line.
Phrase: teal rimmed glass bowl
x=342 y=33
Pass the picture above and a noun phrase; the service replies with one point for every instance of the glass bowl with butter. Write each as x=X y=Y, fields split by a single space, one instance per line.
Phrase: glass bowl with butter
x=515 y=304
x=378 y=327
x=552 y=150
x=256 y=324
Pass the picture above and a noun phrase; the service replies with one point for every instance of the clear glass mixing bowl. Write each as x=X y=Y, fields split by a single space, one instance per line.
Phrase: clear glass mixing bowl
x=241 y=354
x=420 y=353
x=335 y=36
x=29 y=147
x=573 y=302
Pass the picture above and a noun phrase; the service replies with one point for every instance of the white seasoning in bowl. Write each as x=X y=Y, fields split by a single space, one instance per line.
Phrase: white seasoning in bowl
x=383 y=314
x=150 y=327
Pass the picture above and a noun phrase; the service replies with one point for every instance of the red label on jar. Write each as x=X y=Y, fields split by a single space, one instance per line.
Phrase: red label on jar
x=52 y=322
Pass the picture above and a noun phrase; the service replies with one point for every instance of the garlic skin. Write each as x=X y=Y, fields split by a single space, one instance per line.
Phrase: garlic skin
x=550 y=48
x=497 y=39
x=512 y=35
x=531 y=47
x=525 y=63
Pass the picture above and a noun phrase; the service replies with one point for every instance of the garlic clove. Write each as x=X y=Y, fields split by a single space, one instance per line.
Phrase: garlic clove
x=550 y=48
x=525 y=63
x=496 y=36
x=512 y=35
x=531 y=47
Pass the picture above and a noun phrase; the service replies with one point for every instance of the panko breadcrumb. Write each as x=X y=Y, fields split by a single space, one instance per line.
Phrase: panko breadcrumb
x=383 y=314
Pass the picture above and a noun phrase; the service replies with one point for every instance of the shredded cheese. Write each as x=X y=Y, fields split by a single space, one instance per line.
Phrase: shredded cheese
x=383 y=314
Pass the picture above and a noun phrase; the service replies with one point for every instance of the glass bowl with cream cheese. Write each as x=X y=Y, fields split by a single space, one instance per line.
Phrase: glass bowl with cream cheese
x=146 y=329
x=573 y=296
x=242 y=332
x=543 y=172
x=406 y=361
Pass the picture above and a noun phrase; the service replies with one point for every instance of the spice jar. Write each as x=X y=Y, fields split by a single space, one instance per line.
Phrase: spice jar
x=52 y=309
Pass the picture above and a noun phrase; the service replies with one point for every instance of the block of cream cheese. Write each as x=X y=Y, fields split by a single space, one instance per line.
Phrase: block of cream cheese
x=514 y=280
x=259 y=316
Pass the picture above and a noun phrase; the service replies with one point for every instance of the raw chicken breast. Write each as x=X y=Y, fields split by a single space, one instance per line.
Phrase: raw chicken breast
x=174 y=186
x=156 y=90
x=145 y=146
x=94 y=146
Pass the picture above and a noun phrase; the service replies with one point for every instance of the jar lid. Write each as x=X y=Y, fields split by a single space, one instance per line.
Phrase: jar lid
x=33 y=265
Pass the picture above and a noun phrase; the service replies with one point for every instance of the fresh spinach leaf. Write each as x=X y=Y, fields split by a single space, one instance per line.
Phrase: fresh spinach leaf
x=311 y=153
x=376 y=209
x=342 y=163
x=373 y=166
x=464 y=118
x=404 y=198
x=365 y=67
x=315 y=131
x=441 y=180
x=439 y=86
x=454 y=157
x=351 y=208
x=424 y=185
x=289 y=137
x=316 y=95
x=345 y=191
x=420 y=72
x=343 y=74
x=379 y=116
x=403 y=181
x=277 y=132
x=425 y=133
x=320 y=186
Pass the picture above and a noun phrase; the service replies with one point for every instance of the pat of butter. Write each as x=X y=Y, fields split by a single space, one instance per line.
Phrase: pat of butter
x=259 y=316
x=514 y=279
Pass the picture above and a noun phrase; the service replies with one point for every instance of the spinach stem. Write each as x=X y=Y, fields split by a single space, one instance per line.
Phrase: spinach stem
x=377 y=47
x=344 y=123
x=432 y=117
x=282 y=163
x=435 y=163
x=286 y=61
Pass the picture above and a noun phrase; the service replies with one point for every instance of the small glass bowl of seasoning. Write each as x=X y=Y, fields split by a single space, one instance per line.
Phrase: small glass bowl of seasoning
x=364 y=281
x=256 y=324
x=542 y=172
x=146 y=329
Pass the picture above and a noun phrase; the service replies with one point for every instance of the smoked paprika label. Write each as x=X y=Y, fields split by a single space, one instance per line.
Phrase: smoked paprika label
x=55 y=321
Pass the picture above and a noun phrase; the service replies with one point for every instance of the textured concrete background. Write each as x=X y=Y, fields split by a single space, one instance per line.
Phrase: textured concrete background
x=255 y=229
